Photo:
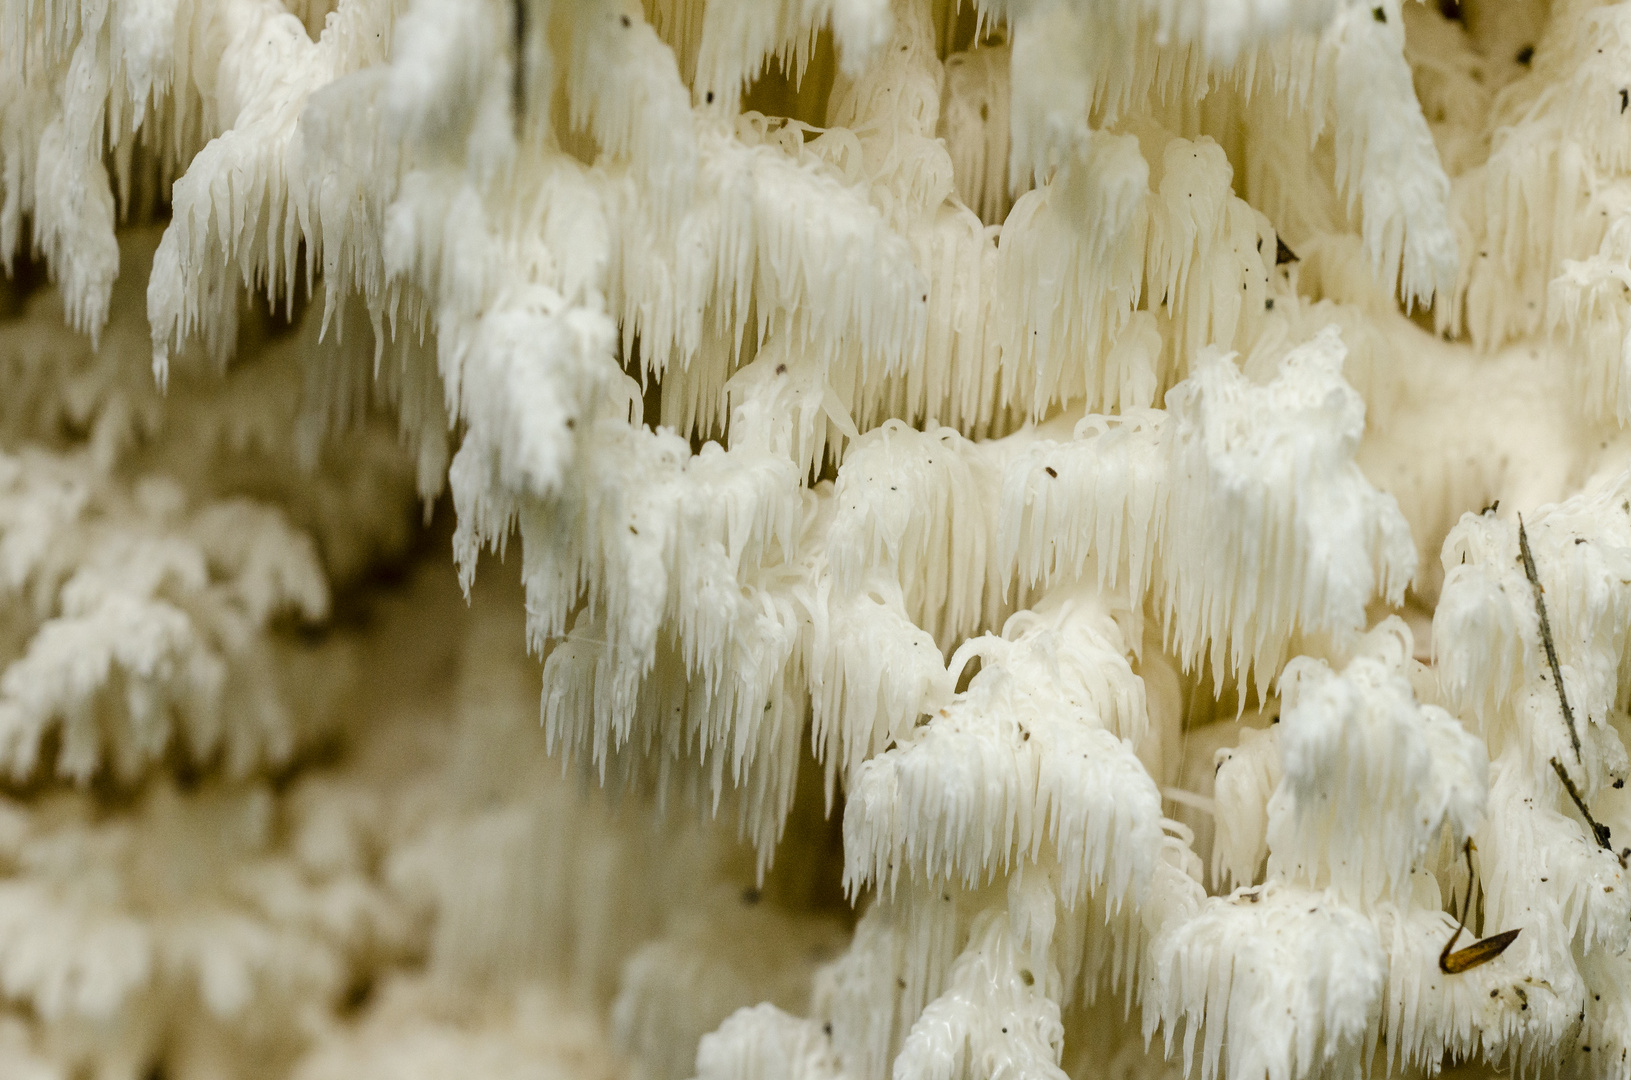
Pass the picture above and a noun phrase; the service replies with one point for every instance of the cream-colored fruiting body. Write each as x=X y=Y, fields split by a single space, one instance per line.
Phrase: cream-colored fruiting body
x=1017 y=504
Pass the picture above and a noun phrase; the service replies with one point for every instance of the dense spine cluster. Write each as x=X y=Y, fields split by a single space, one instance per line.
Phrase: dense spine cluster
x=1061 y=538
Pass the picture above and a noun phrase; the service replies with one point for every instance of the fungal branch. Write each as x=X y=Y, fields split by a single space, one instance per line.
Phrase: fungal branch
x=913 y=412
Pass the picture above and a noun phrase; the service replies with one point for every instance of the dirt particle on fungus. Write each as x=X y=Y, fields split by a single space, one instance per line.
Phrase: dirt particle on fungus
x=709 y=97
x=1378 y=14
x=625 y=20
x=781 y=369
x=1625 y=99
x=1051 y=472
x=827 y=1028
x=1526 y=54
x=357 y=996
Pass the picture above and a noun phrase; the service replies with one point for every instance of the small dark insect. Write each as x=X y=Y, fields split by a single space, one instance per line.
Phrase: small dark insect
x=1526 y=54
x=1378 y=14
x=1479 y=952
x=1625 y=99
x=1283 y=254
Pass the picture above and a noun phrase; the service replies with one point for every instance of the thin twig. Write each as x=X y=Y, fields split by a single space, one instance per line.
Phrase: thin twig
x=1546 y=639
x=1597 y=830
x=518 y=90
x=1461 y=924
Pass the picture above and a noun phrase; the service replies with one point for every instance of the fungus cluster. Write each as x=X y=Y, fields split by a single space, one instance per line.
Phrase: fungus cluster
x=1008 y=538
